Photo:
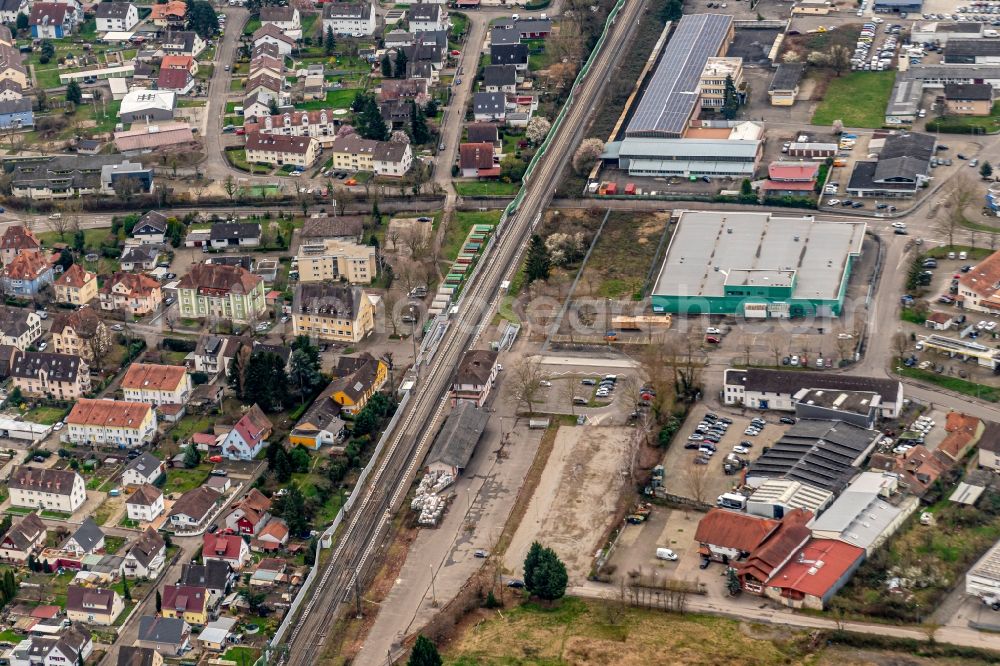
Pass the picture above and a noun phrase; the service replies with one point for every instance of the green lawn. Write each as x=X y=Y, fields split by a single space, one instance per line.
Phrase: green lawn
x=10 y=636
x=968 y=124
x=858 y=99
x=46 y=415
x=91 y=237
x=252 y=26
x=335 y=99
x=189 y=425
x=484 y=188
x=458 y=229
x=980 y=391
x=58 y=585
x=183 y=480
x=242 y=655
x=238 y=158
x=113 y=544
x=309 y=25
x=58 y=515
x=974 y=253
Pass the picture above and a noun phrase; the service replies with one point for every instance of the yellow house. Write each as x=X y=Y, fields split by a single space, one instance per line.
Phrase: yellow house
x=358 y=379
x=332 y=312
x=93 y=605
x=186 y=602
x=80 y=332
x=76 y=286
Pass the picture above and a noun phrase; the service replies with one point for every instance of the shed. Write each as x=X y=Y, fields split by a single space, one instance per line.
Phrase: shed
x=456 y=442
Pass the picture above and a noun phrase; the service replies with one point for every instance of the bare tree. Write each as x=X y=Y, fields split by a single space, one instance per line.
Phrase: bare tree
x=962 y=192
x=392 y=236
x=59 y=225
x=900 y=343
x=774 y=345
x=527 y=375
x=229 y=185
x=844 y=341
x=661 y=379
x=391 y=300
x=696 y=479
x=416 y=242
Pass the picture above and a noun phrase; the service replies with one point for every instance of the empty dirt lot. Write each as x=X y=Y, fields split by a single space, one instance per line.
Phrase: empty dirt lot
x=576 y=499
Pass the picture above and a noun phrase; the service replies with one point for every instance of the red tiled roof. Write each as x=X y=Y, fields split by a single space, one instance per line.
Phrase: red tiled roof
x=153 y=376
x=75 y=276
x=19 y=238
x=962 y=432
x=984 y=277
x=26 y=266
x=793 y=171
x=823 y=563
x=731 y=529
x=176 y=62
x=777 y=546
x=476 y=155
x=172 y=8
x=222 y=546
x=254 y=426
x=939 y=317
x=220 y=277
x=173 y=79
x=185 y=597
x=137 y=284
x=111 y=413
x=798 y=186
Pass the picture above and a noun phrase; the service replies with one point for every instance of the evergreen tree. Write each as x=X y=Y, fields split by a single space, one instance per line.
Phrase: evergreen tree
x=671 y=11
x=22 y=22
x=293 y=510
x=386 y=66
x=418 y=125
x=266 y=382
x=79 y=240
x=202 y=19
x=126 y=593
x=550 y=578
x=531 y=564
x=272 y=106
x=192 y=457
x=300 y=459
x=400 y=68
x=425 y=653
x=304 y=375
x=376 y=215
x=431 y=108
x=159 y=602
x=329 y=42
x=730 y=100
x=73 y=93
x=282 y=466
x=538 y=261
x=986 y=170
x=733 y=582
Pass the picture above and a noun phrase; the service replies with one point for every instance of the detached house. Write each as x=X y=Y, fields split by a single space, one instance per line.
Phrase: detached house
x=172 y=14
x=60 y=376
x=273 y=537
x=359 y=377
x=25 y=537
x=81 y=333
x=139 y=258
x=52 y=20
x=87 y=540
x=17 y=240
x=76 y=286
x=285 y=19
x=93 y=605
x=476 y=375
x=248 y=437
x=146 y=557
x=271 y=34
x=346 y=18
x=510 y=54
x=489 y=106
x=186 y=603
x=214 y=353
x=143 y=470
x=145 y=504
x=500 y=78
x=116 y=16
x=131 y=293
x=235 y=234
x=229 y=293
x=26 y=274
x=193 y=508
x=72 y=646
x=215 y=576
x=228 y=548
x=19 y=327
x=425 y=17
x=249 y=514
x=151 y=227
x=120 y=423
x=165 y=635
x=476 y=160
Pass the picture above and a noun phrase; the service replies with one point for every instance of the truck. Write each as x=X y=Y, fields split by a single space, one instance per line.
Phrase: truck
x=732 y=501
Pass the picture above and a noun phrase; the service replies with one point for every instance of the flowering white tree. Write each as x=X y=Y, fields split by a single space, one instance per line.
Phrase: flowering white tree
x=345 y=130
x=399 y=136
x=585 y=155
x=538 y=128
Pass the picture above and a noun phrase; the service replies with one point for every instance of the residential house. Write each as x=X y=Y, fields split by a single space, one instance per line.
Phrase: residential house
x=500 y=79
x=266 y=64
x=273 y=537
x=129 y=655
x=407 y=89
x=9 y=89
x=504 y=35
x=193 y=508
x=268 y=572
x=12 y=67
x=26 y=275
x=215 y=576
x=144 y=105
x=86 y=540
x=25 y=537
x=510 y=54
x=794 y=179
x=276 y=149
x=321 y=125
x=17 y=240
x=229 y=293
x=185 y=62
x=357 y=380
x=93 y=605
x=989 y=447
x=979 y=289
x=489 y=106
x=218 y=635
x=918 y=468
x=172 y=14
x=151 y=229
x=248 y=437
x=147 y=556
x=179 y=81
x=167 y=635
x=257 y=105
x=384 y=158
x=16 y=114
x=963 y=432
x=19 y=327
x=183 y=43
x=347 y=18
x=424 y=17
x=139 y=258
x=145 y=469
x=333 y=259
x=533 y=28
x=9 y=9
x=220 y=484
x=249 y=514
x=397 y=113
x=116 y=16
x=118 y=423
x=270 y=34
x=228 y=548
x=285 y=19
x=214 y=353
x=264 y=82
x=71 y=646
x=235 y=234
x=321 y=424
x=59 y=376
x=968 y=99
x=145 y=504
x=477 y=160
x=331 y=312
x=81 y=333
x=52 y=20
x=475 y=377
x=133 y=294
x=156 y=384
x=76 y=286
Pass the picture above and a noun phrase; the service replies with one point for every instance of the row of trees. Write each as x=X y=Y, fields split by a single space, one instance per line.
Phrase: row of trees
x=260 y=378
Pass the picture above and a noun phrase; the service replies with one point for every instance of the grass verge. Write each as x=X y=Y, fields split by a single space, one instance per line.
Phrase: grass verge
x=965 y=387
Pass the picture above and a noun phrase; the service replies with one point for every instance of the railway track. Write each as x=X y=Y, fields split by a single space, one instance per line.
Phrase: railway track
x=367 y=527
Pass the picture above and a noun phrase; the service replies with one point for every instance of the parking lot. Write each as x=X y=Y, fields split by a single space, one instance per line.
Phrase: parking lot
x=579 y=393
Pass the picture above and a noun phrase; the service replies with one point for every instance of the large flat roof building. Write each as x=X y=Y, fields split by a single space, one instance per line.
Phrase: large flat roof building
x=671 y=96
x=757 y=265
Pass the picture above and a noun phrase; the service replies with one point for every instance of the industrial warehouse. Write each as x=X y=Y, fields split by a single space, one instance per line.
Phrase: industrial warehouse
x=758 y=265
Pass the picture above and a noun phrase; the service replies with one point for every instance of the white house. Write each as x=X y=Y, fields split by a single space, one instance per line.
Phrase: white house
x=116 y=16
x=270 y=34
x=248 y=437
x=115 y=422
x=193 y=508
x=151 y=228
x=87 y=539
x=476 y=375
x=146 y=557
x=157 y=384
x=346 y=18
x=147 y=468
x=145 y=504
x=427 y=17
x=228 y=548
x=50 y=489
x=285 y=19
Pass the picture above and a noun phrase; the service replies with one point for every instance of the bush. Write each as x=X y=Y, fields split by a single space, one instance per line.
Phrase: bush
x=179 y=345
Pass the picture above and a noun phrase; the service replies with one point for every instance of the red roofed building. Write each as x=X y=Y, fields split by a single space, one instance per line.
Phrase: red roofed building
x=15 y=240
x=273 y=537
x=775 y=550
x=250 y=514
x=228 y=548
x=979 y=289
x=725 y=536
x=26 y=274
x=476 y=160
x=790 y=178
x=319 y=124
x=179 y=62
x=814 y=573
x=963 y=432
x=248 y=436
x=133 y=293
x=179 y=81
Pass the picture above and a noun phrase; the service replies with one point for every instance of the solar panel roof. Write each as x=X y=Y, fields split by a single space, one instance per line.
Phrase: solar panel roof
x=670 y=97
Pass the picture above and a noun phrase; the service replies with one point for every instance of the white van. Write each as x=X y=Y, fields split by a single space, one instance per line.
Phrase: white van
x=665 y=554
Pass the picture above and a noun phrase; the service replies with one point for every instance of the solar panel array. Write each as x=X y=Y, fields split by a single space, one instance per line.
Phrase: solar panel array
x=670 y=97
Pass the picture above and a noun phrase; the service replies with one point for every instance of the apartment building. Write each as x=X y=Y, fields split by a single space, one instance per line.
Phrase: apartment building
x=81 y=333
x=49 y=489
x=76 y=286
x=384 y=158
x=131 y=293
x=230 y=293
x=111 y=422
x=157 y=384
x=56 y=376
x=332 y=312
x=280 y=150
x=334 y=259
